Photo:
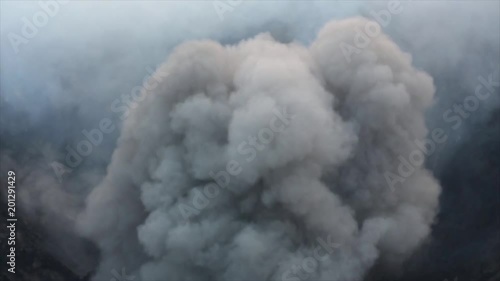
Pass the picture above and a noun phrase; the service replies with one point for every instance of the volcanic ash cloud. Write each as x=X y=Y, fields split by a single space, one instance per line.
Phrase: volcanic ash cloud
x=235 y=164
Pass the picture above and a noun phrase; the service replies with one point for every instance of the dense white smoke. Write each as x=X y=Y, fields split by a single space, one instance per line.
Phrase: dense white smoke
x=240 y=158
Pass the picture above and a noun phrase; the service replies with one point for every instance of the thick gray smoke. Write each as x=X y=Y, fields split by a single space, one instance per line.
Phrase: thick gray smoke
x=244 y=155
x=235 y=164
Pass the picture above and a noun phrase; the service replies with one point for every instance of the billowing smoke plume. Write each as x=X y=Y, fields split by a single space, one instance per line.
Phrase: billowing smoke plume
x=238 y=159
x=317 y=178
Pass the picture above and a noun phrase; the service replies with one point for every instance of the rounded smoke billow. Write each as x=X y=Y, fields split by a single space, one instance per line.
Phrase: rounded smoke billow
x=243 y=157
